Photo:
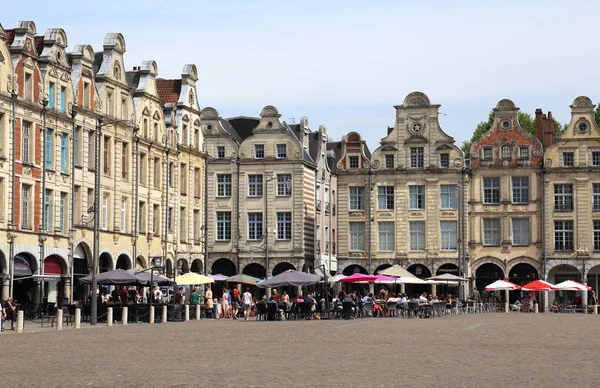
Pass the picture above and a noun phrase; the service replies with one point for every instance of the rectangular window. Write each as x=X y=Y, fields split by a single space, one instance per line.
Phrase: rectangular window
x=386 y=236
x=448 y=196
x=357 y=198
x=506 y=152
x=259 y=151
x=169 y=220
x=255 y=185
x=596 y=196
x=448 y=235
x=596 y=158
x=104 y=211
x=156 y=219
x=284 y=185
x=64 y=153
x=110 y=102
x=520 y=189
x=563 y=197
x=596 y=229
x=157 y=173
x=197 y=139
x=416 y=197
x=220 y=152
x=197 y=184
x=224 y=185
x=48 y=149
x=28 y=87
x=143 y=169
x=124 y=106
x=568 y=159
x=123 y=214
x=51 y=95
x=25 y=206
x=417 y=235
x=91 y=150
x=63 y=102
x=444 y=160
x=417 y=157
x=106 y=153
x=183 y=178
x=63 y=213
x=26 y=142
x=182 y=225
x=389 y=161
x=48 y=210
x=357 y=236
x=170 y=170
x=353 y=161
x=523 y=153
x=491 y=232
x=142 y=217
x=491 y=191
x=563 y=235
x=77 y=146
x=124 y=160
x=86 y=95
x=90 y=201
x=520 y=231
x=255 y=226
x=487 y=154
x=385 y=197
x=284 y=226
x=281 y=151
x=196 y=225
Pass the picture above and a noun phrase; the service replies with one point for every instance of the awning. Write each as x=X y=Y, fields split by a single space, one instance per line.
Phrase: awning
x=22 y=267
x=52 y=266
x=79 y=252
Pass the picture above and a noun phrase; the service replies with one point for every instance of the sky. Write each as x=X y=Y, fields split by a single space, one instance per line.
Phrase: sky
x=345 y=64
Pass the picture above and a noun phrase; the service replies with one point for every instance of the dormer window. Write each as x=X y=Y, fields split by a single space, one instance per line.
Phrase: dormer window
x=221 y=152
x=568 y=159
x=259 y=151
x=523 y=153
x=417 y=157
x=506 y=152
x=353 y=161
x=389 y=161
x=281 y=151
x=487 y=154
x=445 y=160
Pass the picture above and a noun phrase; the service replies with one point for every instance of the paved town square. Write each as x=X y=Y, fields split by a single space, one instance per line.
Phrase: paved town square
x=474 y=350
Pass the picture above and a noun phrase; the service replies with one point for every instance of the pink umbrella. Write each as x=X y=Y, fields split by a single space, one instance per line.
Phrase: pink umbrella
x=359 y=277
x=218 y=277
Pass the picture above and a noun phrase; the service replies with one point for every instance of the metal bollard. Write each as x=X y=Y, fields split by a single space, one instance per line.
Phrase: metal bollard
x=197 y=312
x=20 y=321
x=151 y=319
x=77 y=323
x=596 y=309
x=109 y=317
x=59 y=319
x=187 y=313
x=164 y=314
x=124 y=312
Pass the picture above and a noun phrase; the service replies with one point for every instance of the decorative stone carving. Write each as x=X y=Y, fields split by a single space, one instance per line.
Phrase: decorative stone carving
x=356 y=214
x=375 y=164
x=548 y=163
x=536 y=151
x=505 y=104
x=115 y=238
x=117 y=70
x=474 y=154
x=416 y=214
x=448 y=213
x=357 y=254
x=1 y=58
x=385 y=215
x=458 y=162
x=27 y=171
x=417 y=102
x=582 y=102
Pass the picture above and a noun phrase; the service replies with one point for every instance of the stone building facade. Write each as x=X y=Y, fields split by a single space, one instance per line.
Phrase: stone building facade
x=505 y=202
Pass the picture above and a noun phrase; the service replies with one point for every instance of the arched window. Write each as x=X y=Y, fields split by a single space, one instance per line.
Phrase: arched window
x=506 y=151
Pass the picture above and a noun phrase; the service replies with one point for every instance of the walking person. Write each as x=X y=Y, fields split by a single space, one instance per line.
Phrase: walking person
x=225 y=302
x=10 y=312
x=247 y=299
x=208 y=309
x=235 y=303
x=2 y=317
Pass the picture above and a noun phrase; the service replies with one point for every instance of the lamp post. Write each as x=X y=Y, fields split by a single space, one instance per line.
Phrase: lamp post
x=12 y=226
x=100 y=123
x=72 y=230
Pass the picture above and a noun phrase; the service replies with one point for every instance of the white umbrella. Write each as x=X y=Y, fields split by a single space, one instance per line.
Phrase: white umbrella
x=447 y=282
x=502 y=285
x=448 y=277
x=336 y=278
x=569 y=285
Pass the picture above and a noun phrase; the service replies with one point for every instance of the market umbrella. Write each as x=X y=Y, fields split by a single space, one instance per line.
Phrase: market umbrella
x=538 y=285
x=502 y=285
x=448 y=277
x=244 y=279
x=570 y=285
x=396 y=271
x=118 y=277
x=336 y=278
x=382 y=279
x=359 y=277
x=193 y=278
x=144 y=277
x=218 y=277
x=447 y=282
x=291 y=278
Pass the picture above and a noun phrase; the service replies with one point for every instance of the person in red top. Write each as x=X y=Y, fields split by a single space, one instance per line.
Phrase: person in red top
x=276 y=296
x=123 y=294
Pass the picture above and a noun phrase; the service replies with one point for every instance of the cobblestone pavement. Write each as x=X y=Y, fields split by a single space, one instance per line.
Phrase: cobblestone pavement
x=481 y=350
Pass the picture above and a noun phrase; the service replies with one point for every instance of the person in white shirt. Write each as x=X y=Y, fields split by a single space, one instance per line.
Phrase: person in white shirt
x=247 y=300
x=423 y=298
x=403 y=299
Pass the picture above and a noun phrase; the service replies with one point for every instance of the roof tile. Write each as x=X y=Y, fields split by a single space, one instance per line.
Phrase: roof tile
x=168 y=90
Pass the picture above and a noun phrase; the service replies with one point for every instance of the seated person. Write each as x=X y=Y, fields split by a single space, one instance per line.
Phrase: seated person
x=278 y=311
x=423 y=298
x=348 y=299
x=311 y=300
x=368 y=298
x=403 y=299
x=262 y=300
x=299 y=299
x=516 y=306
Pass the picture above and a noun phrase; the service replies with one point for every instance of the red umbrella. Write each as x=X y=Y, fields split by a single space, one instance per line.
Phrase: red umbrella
x=359 y=277
x=538 y=285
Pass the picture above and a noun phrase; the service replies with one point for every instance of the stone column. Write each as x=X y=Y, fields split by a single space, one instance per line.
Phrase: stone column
x=506 y=305
x=197 y=312
x=5 y=288
x=20 y=321
x=187 y=313
x=433 y=289
x=164 y=314
x=67 y=287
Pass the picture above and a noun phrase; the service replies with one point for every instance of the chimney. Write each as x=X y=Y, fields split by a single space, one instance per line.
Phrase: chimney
x=545 y=129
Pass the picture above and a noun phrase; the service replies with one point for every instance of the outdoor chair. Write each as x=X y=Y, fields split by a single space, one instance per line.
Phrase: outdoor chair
x=570 y=309
x=347 y=310
x=367 y=309
x=470 y=307
x=261 y=311
x=438 y=309
x=401 y=309
x=272 y=312
x=391 y=309
x=67 y=316
x=306 y=310
x=554 y=309
x=413 y=310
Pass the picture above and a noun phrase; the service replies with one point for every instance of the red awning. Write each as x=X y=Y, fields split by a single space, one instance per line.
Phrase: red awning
x=52 y=266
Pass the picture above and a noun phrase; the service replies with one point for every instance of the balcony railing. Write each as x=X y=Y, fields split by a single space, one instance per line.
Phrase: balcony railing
x=318 y=205
x=327 y=206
